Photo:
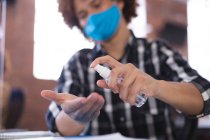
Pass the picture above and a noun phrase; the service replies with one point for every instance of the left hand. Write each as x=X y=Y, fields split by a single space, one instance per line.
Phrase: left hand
x=80 y=109
x=134 y=80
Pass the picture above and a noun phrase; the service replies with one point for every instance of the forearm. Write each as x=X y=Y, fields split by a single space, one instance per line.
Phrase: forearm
x=182 y=96
x=67 y=126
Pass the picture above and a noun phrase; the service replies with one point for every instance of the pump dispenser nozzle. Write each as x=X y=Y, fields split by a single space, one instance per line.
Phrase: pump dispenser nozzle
x=103 y=71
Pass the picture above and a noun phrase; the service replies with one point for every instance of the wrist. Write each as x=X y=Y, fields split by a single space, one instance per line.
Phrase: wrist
x=157 y=88
x=64 y=125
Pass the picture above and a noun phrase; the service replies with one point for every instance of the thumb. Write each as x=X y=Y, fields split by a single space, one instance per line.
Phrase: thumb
x=57 y=97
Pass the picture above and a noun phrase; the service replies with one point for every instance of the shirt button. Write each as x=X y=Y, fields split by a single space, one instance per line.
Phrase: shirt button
x=122 y=119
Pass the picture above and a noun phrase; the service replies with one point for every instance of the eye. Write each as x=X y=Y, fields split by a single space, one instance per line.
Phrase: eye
x=96 y=3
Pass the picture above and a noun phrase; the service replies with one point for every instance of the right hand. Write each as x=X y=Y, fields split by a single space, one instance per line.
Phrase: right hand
x=81 y=109
x=134 y=80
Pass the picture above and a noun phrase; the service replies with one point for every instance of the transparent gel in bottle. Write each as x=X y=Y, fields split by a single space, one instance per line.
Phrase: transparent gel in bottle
x=104 y=72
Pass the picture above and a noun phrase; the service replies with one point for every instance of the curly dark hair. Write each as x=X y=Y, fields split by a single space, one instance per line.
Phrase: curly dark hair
x=66 y=7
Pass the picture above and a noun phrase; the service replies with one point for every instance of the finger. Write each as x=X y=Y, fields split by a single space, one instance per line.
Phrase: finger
x=128 y=69
x=111 y=62
x=95 y=115
x=83 y=114
x=102 y=84
x=71 y=106
x=93 y=108
x=114 y=80
x=126 y=84
x=95 y=100
x=57 y=97
x=133 y=91
x=99 y=101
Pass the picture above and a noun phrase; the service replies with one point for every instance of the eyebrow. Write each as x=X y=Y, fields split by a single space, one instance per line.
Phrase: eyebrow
x=82 y=11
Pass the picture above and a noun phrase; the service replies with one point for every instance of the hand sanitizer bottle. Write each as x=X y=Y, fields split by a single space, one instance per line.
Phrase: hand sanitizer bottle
x=104 y=72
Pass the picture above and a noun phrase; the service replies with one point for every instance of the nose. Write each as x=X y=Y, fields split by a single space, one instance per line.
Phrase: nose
x=90 y=11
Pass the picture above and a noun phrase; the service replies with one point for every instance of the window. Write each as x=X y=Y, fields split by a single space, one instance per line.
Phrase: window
x=198 y=36
x=198 y=42
x=55 y=42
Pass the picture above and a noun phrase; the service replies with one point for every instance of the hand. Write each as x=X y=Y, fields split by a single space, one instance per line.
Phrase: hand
x=134 y=80
x=81 y=109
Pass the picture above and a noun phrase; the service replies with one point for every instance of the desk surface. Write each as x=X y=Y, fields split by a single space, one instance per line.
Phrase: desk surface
x=40 y=135
x=204 y=122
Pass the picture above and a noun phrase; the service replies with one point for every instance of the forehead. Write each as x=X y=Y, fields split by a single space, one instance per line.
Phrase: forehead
x=80 y=4
x=83 y=4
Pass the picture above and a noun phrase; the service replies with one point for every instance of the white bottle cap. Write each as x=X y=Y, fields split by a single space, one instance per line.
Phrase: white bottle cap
x=103 y=71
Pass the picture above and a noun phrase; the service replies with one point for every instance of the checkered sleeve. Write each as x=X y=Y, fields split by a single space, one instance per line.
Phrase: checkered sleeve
x=179 y=70
x=52 y=113
x=68 y=82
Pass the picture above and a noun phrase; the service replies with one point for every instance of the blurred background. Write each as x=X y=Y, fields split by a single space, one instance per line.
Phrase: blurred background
x=35 y=43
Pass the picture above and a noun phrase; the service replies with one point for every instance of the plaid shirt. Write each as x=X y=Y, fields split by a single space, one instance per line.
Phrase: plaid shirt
x=152 y=119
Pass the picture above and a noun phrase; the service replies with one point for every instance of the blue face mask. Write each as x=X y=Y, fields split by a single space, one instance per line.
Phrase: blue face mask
x=102 y=26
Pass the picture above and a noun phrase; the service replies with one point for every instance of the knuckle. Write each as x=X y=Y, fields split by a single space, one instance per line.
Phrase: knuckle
x=136 y=70
x=123 y=86
x=139 y=76
x=130 y=65
x=123 y=97
x=130 y=101
x=109 y=57
x=111 y=86
x=114 y=71
x=131 y=96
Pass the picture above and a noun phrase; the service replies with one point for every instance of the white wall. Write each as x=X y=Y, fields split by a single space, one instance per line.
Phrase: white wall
x=199 y=36
x=55 y=43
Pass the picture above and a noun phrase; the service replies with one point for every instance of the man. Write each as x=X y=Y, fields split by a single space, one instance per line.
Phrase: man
x=145 y=66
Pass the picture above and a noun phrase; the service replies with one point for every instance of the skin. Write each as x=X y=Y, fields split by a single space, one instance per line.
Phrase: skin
x=182 y=96
x=78 y=111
